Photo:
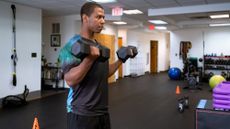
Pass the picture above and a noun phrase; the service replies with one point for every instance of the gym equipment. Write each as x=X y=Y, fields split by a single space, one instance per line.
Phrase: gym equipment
x=221 y=96
x=210 y=75
x=208 y=118
x=134 y=51
x=192 y=73
x=215 y=80
x=104 y=53
x=224 y=74
x=174 y=73
x=81 y=49
x=183 y=103
x=126 y=52
x=15 y=101
x=14 y=54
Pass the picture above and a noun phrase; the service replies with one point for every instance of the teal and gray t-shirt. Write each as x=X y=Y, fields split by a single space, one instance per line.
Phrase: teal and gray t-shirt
x=90 y=96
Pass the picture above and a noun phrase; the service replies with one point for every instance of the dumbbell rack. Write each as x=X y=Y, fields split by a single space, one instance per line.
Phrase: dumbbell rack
x=216 y=64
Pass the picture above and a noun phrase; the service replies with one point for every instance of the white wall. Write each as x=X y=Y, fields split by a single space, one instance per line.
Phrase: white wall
x=141 y=39
x=217 y=40
x=28 y=40
x=67 y=30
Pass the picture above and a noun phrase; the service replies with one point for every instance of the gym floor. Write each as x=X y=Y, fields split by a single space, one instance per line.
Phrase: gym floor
x=145 y=102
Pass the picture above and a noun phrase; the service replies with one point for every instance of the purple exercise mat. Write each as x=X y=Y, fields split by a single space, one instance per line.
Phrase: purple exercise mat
x=223 y=88
x=220 y=96
x=218 y=101
x=220 y=106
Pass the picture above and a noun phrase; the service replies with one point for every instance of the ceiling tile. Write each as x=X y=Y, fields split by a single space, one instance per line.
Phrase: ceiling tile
x=163 y=3
x=135 y=3
x=190 y=3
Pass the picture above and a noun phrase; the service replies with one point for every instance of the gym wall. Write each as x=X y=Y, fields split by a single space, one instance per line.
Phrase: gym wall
x=217 y=40
x=28 y=41
x=141 y=39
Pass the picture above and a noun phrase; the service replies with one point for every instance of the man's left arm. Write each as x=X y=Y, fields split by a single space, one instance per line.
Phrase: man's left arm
x=113 y=67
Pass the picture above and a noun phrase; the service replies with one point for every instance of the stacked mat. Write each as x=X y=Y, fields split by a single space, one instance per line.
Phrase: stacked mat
x=221 y=96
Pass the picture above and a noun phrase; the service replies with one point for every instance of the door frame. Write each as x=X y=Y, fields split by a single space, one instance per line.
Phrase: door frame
x=152 y=42
x=120 y=69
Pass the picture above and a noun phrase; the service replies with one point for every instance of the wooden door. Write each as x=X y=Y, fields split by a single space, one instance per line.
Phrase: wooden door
x=108 y=41
x=153 y=56
x=120 y=73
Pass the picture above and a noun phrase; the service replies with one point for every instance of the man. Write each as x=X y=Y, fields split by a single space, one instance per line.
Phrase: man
x=87 y=103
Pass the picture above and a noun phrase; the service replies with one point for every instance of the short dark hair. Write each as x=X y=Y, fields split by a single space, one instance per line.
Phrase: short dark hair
x=88 y=8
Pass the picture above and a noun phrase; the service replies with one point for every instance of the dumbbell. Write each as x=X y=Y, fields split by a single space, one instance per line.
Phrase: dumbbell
x=186 y=101
x=127 y=52
x=134 y=51
x=183 y=103
x=104 y=53
x=81 y=49
x=180 y=105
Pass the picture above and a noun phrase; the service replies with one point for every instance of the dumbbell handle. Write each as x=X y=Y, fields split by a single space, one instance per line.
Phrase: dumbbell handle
x=81 y=49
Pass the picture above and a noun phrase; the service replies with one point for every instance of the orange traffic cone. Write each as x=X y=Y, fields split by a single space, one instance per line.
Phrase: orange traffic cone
x=35 y=125
x=177 y=90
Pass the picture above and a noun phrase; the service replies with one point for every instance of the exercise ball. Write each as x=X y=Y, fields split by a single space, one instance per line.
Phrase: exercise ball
x=215 y=80
x=174 y=73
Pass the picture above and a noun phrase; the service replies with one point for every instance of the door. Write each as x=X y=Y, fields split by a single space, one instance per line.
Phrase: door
x=108 y=41
x=120 y=73
x=153 y=56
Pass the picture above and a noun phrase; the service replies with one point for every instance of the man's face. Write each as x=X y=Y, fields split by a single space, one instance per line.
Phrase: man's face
x=97 y=20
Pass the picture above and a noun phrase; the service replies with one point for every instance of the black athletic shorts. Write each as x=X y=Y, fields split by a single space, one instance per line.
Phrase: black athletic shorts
x=75 y=121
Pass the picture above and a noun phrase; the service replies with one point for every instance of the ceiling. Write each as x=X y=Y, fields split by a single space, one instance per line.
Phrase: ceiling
x=193 y=18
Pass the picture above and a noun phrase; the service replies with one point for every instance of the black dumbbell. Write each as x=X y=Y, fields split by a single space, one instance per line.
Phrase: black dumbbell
x=186 y=101
x=81 y=49
x=183 y=103
x=126 y=52
x=134 y=51
x=104 y=53
x=180 y=105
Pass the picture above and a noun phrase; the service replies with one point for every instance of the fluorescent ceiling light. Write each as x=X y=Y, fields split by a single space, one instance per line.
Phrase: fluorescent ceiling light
x=219 y=16
x=225 y=24
x=161 y=27
x=157 y=22
x=130 y=12
x=120 y=23
x=103 y=1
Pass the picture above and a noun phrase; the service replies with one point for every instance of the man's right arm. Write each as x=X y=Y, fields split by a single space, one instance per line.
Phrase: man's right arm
x=76 y=74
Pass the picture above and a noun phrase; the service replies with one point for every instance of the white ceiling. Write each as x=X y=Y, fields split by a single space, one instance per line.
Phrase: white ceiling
x=67 y=7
